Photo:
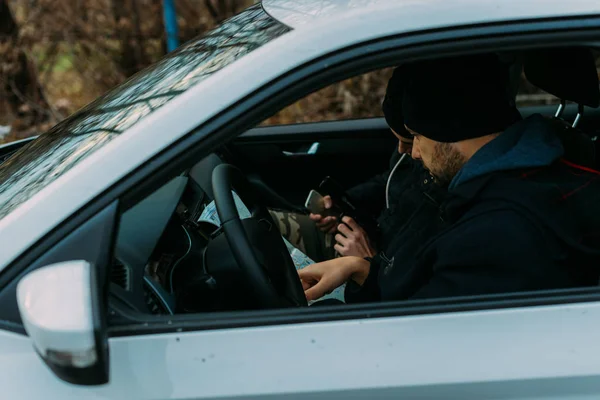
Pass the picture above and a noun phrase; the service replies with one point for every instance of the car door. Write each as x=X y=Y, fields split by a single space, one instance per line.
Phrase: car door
x=434 y=351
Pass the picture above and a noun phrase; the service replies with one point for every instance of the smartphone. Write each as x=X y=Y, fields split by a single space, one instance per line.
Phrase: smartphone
x=315 y=203
x=347 y=206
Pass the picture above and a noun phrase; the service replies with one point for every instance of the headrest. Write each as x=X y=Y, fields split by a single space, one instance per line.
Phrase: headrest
x=568 y=73
x=579 y=148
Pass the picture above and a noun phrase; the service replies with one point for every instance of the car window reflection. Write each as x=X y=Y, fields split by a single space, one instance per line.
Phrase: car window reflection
x=60 y=149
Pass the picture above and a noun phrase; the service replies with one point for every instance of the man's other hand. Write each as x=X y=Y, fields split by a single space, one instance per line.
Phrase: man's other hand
x=325 y=224
x=322 y=278
x=352 y=240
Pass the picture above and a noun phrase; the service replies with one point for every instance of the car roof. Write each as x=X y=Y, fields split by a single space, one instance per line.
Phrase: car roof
x=423 y=14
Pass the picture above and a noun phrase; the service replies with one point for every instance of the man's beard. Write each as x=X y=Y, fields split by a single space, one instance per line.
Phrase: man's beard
x=446 y=162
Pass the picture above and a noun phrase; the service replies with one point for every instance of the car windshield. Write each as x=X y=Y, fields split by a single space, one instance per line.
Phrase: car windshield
x=46 y=158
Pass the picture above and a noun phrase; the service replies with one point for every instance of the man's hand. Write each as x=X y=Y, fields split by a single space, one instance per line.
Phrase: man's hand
x=352 y=240
x=325 y=224
x=322 y=278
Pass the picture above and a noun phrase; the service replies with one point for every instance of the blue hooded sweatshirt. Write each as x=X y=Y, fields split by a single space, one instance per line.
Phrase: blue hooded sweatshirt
x=530 y=143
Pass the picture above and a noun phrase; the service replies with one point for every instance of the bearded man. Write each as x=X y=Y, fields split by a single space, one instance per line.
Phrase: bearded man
x=516 y=215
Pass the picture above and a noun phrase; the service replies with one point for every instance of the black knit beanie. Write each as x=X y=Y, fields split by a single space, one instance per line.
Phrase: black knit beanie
x=392 y=103
x=458 y=98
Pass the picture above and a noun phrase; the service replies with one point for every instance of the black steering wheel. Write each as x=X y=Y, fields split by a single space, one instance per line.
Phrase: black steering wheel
x=256 y=243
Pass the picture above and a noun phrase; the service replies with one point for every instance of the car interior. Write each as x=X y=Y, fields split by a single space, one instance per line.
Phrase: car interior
x=183 y=265
x=168 y=260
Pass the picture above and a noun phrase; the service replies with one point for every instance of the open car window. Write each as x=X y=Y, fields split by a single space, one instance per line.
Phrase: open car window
x=355 y=98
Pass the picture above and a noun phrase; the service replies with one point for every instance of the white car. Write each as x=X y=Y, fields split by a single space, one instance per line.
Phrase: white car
x=85 y=206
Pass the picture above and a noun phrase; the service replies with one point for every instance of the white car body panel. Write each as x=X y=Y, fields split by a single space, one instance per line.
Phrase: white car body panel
x=428 y=357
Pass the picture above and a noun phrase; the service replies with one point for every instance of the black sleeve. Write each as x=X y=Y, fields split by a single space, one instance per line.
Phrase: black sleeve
x=498 y=252
x=369 y=291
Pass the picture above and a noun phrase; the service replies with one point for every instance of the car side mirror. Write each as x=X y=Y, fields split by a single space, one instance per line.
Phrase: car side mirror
x=61 y=308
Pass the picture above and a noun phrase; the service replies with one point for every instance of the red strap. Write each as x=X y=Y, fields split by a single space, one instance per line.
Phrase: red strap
x=581 y=167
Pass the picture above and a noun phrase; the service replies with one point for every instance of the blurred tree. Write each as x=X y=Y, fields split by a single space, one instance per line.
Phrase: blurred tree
x=132 y=55
x=221 y=9
x=28 y=110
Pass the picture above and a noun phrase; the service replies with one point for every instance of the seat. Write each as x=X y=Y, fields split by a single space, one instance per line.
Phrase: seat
x=570 y=74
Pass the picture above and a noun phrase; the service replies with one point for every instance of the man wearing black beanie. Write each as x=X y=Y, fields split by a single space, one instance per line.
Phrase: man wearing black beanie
x=390 y=197
x=516 y=217
x=471 y=109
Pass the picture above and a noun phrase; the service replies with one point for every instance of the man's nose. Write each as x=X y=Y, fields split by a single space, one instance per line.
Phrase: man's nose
x=415 y=152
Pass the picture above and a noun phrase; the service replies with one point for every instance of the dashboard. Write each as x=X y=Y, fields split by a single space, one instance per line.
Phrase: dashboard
x=160 y=236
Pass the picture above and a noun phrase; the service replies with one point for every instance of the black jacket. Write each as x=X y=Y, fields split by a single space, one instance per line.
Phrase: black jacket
x=411 y=186
x=370 y=195
x=509 y=223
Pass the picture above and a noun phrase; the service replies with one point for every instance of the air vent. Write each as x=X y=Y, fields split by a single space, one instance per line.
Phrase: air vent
x=119 y=275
